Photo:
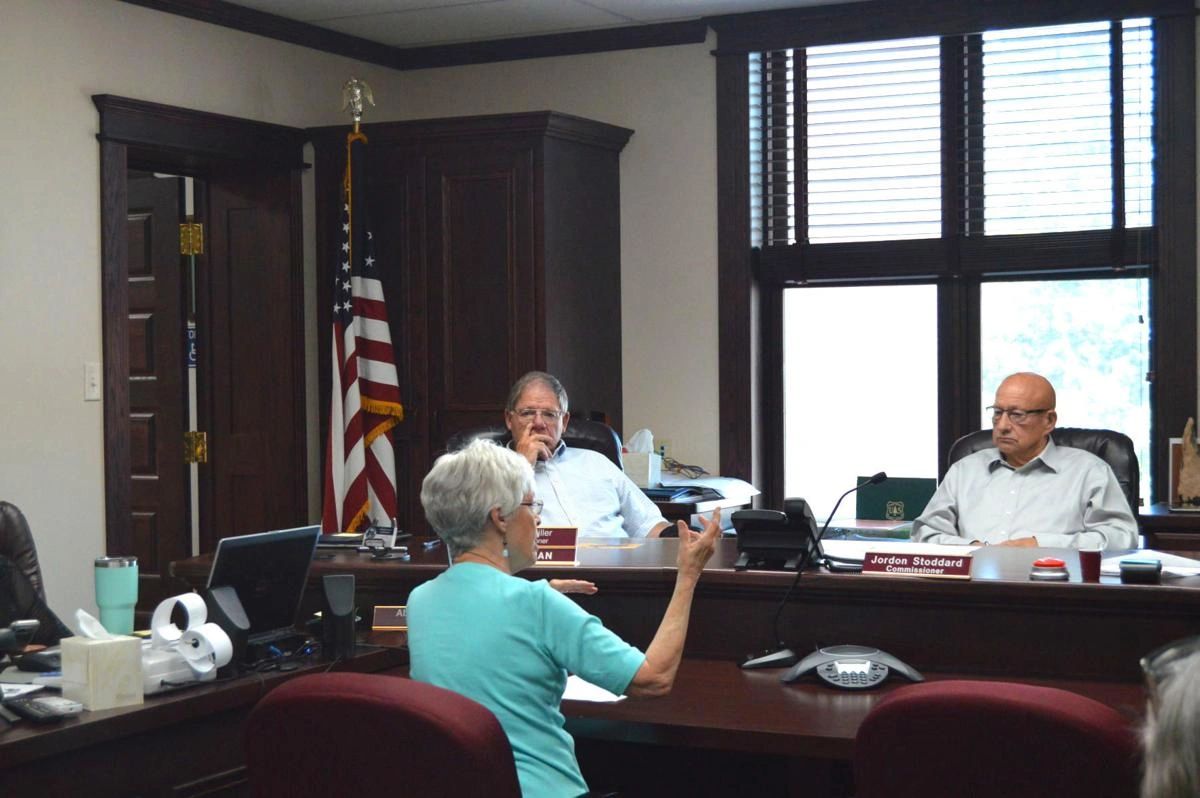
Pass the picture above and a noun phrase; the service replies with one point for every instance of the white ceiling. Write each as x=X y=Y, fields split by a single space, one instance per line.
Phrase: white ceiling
x=415 y=23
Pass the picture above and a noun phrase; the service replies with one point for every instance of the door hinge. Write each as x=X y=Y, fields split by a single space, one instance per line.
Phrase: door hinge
x=195 y=447
x=191 y=238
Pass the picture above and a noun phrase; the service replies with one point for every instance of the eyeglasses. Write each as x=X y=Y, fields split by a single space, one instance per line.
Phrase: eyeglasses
x=535 y=506
x=530 y=413
x=1015 y=416
x=1162 y=663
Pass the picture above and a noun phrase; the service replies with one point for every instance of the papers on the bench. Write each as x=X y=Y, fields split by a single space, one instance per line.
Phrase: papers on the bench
x=729 y=487
x=580 y=690
x=8 y=691
x=855 y=550
x=1173 y=565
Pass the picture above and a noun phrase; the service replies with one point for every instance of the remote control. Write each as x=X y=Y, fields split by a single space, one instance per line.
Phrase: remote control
x=44 y=709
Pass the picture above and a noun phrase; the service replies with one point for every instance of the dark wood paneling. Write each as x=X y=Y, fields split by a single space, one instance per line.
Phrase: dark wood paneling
x=188 y=141
x=255 y=408
x=1173 y=298
x=114 y=302
x=734 y=279
x=580 y=287
x=238 y=17
x=483 y=324
x=997 y=624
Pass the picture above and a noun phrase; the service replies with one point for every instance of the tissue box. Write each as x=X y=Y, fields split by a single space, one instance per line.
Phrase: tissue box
x=102 y=674
x=644 y=468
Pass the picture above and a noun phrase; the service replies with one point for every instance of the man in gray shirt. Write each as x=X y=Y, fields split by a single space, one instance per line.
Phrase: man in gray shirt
x=1026 y=491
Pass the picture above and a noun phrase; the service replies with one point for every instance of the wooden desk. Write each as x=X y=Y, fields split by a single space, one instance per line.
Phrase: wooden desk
x=997 y=624
x=1165 y=528
x=186 y=743
x=735 y=732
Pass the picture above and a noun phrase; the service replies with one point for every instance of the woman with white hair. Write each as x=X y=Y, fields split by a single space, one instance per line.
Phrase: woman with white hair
x=1171 y=767
x=509 y=643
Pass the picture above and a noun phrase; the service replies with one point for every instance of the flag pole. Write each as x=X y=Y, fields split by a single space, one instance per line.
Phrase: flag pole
x=360 y=481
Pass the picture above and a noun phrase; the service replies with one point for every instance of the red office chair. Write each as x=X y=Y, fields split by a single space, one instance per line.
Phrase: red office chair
x=993 y=740
x=368 y=735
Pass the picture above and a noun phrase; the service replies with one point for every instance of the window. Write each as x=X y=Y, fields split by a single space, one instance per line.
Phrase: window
x=891 y=397
x=977 y=170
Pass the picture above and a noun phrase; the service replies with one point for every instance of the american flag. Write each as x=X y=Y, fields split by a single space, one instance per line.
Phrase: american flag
x=360 y=463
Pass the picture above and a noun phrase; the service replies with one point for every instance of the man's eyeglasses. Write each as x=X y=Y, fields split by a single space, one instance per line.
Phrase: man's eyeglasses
x=1162 y=663
x=1015 y=416
x=530 y=413
x=535 y=506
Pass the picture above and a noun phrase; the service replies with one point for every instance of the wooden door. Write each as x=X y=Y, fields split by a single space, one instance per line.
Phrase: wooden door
x=159 y=508
x=485 y=311
x=251 y=352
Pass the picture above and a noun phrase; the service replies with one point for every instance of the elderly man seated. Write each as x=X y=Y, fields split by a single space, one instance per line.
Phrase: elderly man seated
x=580 y=488
x=1027 y=491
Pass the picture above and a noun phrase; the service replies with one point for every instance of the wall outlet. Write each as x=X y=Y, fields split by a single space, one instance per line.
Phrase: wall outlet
x=662 y=446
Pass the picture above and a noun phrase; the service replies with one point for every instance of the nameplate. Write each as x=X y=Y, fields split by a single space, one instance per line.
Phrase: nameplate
x=944 y=566
x=390 y=619
x=556 y=545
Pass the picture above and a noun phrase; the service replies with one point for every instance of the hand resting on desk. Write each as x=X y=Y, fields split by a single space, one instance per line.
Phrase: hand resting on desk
x=574 y=586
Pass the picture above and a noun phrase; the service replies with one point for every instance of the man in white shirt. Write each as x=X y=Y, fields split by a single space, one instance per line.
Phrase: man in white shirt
x=1027 y=491
x=579 y=487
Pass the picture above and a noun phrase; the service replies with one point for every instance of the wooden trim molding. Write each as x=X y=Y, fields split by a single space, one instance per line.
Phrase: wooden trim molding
x=734 y=274
x=900 y=19
x=114 y=301
x=157 y=137
x=197 y=136
x=273 y=26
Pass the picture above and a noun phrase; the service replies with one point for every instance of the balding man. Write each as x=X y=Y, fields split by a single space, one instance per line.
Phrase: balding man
x=1027 y=491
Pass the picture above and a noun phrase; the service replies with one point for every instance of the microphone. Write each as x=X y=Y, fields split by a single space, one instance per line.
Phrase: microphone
x=816 y=547
x=784 y=656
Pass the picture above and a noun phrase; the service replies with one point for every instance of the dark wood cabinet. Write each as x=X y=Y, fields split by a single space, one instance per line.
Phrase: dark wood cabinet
x=500 y=242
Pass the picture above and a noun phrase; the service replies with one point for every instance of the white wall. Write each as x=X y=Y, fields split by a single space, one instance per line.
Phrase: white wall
x=667 y=96
x=55 y=54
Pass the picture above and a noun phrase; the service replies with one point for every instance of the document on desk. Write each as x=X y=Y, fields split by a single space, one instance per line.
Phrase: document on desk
x=580 y=690
x=8 y=691
x=856 y=550
x=1173 y=565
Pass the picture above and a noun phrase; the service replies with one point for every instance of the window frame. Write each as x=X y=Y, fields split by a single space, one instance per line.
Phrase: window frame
x=750 y=326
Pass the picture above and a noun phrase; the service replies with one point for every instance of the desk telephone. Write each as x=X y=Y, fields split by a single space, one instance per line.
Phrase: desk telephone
x=851 y=667
x=767 y=537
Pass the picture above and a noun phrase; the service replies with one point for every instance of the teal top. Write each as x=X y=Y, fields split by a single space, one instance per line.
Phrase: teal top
x=509 y=643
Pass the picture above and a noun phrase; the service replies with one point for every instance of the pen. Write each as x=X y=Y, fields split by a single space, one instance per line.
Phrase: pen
x=432 y=544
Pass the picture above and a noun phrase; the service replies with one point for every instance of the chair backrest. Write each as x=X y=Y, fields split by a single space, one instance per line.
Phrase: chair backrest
x=1114 y=448
x=16 y=543
x=367 y=735
x=993 y=740
x=580 y=434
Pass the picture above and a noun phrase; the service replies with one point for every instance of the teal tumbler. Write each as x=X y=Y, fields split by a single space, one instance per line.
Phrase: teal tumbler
x=116 y=592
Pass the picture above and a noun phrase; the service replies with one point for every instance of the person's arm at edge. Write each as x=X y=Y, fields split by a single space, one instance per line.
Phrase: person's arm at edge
x=657 y=529
x=656 y=676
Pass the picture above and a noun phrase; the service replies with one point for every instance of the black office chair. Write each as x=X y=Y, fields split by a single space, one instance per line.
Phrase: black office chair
x=22 y=590
x=1114 y=448
x=581 y=434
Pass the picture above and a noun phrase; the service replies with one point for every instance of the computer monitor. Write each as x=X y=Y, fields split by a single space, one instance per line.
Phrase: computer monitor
x=268 y=570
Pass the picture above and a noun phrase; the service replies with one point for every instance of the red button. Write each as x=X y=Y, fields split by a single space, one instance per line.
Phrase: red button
x=1049 y=562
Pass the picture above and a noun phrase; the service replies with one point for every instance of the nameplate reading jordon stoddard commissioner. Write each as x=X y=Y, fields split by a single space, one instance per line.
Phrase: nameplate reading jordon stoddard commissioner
x=941 y=566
